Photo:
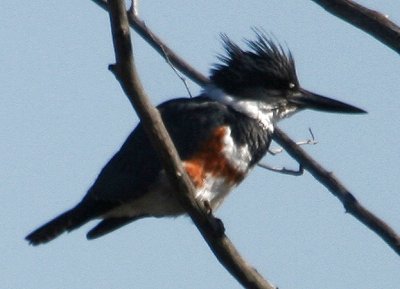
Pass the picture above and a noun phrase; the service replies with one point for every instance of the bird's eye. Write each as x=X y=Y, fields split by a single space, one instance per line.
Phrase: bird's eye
x=292 y=85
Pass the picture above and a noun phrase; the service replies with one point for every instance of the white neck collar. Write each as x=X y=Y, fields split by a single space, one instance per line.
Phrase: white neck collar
x=252 y=108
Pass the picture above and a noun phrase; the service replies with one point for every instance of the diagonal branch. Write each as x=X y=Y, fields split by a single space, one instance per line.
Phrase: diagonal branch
x=334 y=185
x=126 y=74
x=370 y=21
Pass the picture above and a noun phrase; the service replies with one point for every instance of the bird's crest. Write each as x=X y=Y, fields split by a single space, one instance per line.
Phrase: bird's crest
x=264 y=64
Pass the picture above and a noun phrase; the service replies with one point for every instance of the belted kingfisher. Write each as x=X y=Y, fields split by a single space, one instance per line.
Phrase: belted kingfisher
x=220 y=136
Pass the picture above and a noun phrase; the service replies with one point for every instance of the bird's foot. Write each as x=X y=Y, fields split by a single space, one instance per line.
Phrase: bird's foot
x=216 y=224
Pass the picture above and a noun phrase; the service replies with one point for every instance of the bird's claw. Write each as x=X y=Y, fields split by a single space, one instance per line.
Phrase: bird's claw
x=216 y=224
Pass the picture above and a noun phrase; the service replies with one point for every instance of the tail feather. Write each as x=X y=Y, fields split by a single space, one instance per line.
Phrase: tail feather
x=109 y=225
x=65 y=222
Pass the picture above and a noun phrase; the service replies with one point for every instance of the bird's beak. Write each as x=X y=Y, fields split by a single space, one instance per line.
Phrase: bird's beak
x=306 y=99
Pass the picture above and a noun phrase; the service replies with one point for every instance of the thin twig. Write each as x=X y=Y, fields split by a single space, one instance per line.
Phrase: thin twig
x=177 y=73
x=374 y=23
x=283 y=170
x=312 y=141
x=126 y=74
x=278 y=150
x=133 y=14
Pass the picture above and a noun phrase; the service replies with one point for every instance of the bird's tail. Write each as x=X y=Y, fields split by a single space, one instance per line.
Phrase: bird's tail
x=65 y=222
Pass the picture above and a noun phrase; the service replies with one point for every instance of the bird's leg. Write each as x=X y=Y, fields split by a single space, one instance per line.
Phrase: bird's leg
x=216 y=224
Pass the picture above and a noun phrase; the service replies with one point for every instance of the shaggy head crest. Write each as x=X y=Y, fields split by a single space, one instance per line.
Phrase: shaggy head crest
x=265 y=64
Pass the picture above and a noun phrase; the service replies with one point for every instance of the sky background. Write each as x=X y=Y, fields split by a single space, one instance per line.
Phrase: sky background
x=63 y=115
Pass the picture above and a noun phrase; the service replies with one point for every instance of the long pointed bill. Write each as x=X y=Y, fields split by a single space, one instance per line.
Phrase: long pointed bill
x=307 y=99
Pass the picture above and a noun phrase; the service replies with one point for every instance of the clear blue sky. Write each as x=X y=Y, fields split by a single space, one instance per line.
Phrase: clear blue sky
x=63 y=115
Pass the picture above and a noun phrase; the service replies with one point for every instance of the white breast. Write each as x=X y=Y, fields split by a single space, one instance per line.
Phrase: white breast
x=255 y=109
x=215 y=189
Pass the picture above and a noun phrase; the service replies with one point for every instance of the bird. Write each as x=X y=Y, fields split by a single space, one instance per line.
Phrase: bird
x=220 y=135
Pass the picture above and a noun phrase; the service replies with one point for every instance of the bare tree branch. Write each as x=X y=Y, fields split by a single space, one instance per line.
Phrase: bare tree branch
x=349 y=202
x=374 y=23
x=125 y=72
